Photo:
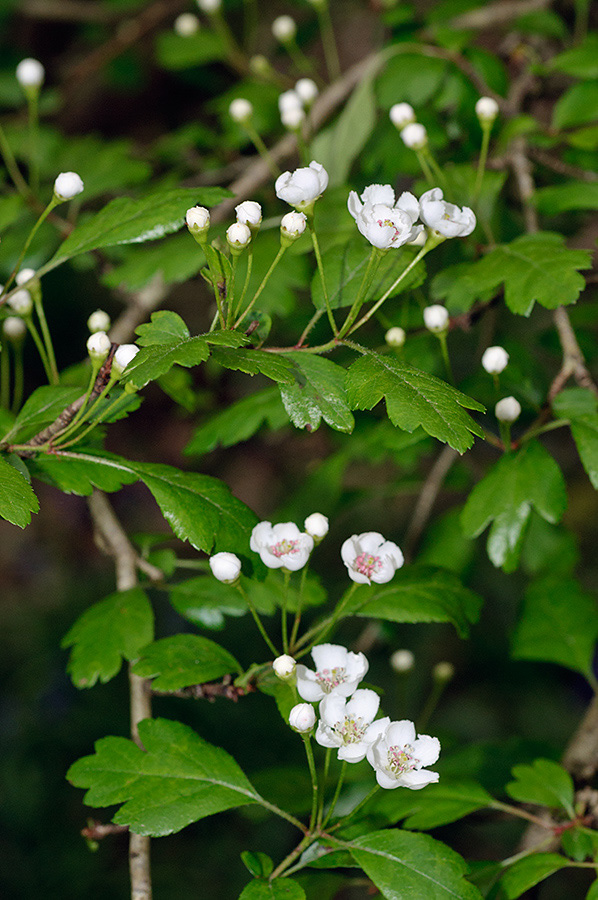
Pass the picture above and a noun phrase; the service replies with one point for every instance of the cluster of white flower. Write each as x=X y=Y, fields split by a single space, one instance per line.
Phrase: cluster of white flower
x=348 y=721
x=293 y=103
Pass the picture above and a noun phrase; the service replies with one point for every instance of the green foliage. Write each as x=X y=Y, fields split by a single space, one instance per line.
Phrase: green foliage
x=581 y=61
x=239 y=422
x=561 y=198
x=40 y=409
x=279 y=889
x=318 y=392
x=581 y=408
x=17 y=500
x=182 y=660
x=545 y=783
x=441 y=803
x=577 y=106
x=527 y=872
x=175 y=51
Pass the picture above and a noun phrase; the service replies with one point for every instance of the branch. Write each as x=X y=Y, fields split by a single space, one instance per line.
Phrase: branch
x=210 y=690
x=493 y=14
x=427 y=497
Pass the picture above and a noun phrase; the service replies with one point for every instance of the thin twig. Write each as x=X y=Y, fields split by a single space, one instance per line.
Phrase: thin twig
x=427 y=497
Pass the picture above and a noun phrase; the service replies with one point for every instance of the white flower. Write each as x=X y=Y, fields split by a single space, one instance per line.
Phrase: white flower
x=186 y=24
x=436 y=318
x=240 y=110
x=14 y=328
x=414 y=136
x=495 y=359
x=21 y=302
x=198 y=219
x=307 y=90
x=486 y=109
x=284 y=28
x=281 y=545
x=399 y=757
x=348 y=725
x=30 y=73
x=98 y=321
x=302 y=718
x=443 y=671
x=317 y=526
x=24 y=275
x=445 y=218
x=249 y=213
x=383 y=222
x=402 y=661
x=338 y=671
x=293 y=224
x=395 y=336
x=123 y=356
x=209 y=6
x=289 y=100
x=292 y=118
x=238 y=235
x=303 y=186
x=226 y=567
x=370 y=557
x=284 y=666
x=98 y=345
x=401 y=115
x=506 y=410
x=67 y=185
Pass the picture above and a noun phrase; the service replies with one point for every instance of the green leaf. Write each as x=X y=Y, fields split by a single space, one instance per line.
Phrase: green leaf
x=418 y=594
x=318 y=392
x=574 y=402
x=527 y=872
x=505 y=496
x=579 y=405
x=561 y=198
x=413 y=77
x=577 y=106
x=182 y=660
x=205 y=601
x=413 y=398
x=581 y=61
x=175 y=51
x=441 y=803
x=79 y=473
x=177 y=779
x=239 y=422
x=545 y=783
x=175 y=259
x=108 y=632
x=260 y=865
x=17 y=500
x=279 y=889
x=593 y=892
x=252 y=362
x=41 y=408
x=402 y=864
x=559 y=623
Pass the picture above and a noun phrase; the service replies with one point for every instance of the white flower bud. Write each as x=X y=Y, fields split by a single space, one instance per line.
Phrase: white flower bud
x=317 y=526
x=226 y=567
x=67 y=185
x=238 y=235
x=259 y=65
x=302 y=187
x=123 y=356
x=401 y=115
x=284 y=29
x=98 y=345
x=186 y=24
x=486 y=109
x=292 y=118
x=443 y=671
x=249 y=213
x=414 y=136
x=21 y=302
x=209 y=6
x=436 y=318
x=302 y=718
x=30 y=73
x=14 y=328
x=395 y=336
x=240 y=110
x=507 y=410
x=402 y=661
x=289 y=100
x=307 y=90
x=292 y=225
x=495 y=359
x=24 y=275
x=98 y=321
x=198 y=219
x=284 y=666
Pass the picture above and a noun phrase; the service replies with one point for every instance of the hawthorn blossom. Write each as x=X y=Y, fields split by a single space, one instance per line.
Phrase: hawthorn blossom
x=238 y=235
x=380 y=220
x=292 y=225
x=30 y=73
x=292 y=118
x=98 y=346
x=445 y=218
x=281 y=545
x=506 y=410
x=436 y=318
x=414 y=136
x=14 y=328
x=395 y=336
x=338 y=671
x=495 y=360
x=402 y=661
x=348 y=725
x=24 y=275
x=186 y=25
x=317 y=525
x=289 y=100
x=486 y=109
x=67 y=185
x=302 y=718
x=240 y=110
x=226 y=567
x=284 y=667
x=21 y=302
x=249 y=213
x=401 y=115
x=284 y=29
x=307 y=90
x=198 y=219
x=399 y=757
x=125 y=354
x=302 y=187
x=370 y=557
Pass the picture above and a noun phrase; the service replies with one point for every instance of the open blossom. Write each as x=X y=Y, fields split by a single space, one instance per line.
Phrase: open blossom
x=399 y=757
x=281 y=545
x=338 y=671
x=383 y=222
x=445 y=218
x=370 y=557
x=303 y=186
x=348 y=725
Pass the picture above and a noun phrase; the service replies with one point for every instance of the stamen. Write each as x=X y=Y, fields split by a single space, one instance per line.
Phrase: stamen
x=401 y=760
x=284 y=548
x=367 y=564
x=350 y=730
x=328 y=679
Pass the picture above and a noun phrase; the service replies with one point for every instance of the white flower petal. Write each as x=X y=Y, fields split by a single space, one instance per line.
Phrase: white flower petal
x=364 y=704
x=400 y=733
x=426 y=749
x=418 y=779
x=385 y=781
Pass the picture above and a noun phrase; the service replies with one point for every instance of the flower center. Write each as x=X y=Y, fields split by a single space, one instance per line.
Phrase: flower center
x=283 y=548
x=389 y=224
x=350 y=730
x=328 y=679
x=367 y=564
x=401 y=760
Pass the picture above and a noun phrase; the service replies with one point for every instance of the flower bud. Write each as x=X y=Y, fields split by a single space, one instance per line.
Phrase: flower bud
x=292 y=226
x=123 y=356
x=21 y=302
x=436 y=318
x=292 y=118
x=67 y=186
x=98 y=346
x=14 y=329
x=240 y=110
x=98 y=321
x=30 y=74
x=209 y=6
x=238 y=236
x=186 y=24
x=443 y=671
x=402 y=661
x=401 y=115
x=414 y=136
x=226 y=567
x=316 y=526
x=302 y=718
x=198 y=222
x=494 y=360
x=24 y=275
x=486 y=109
x=249 y=213
x=284 y=667
x=289 y=100
x=507 y=410
x=284 y=29
x=307 y=90
x=259 y=65
x=395 y=337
